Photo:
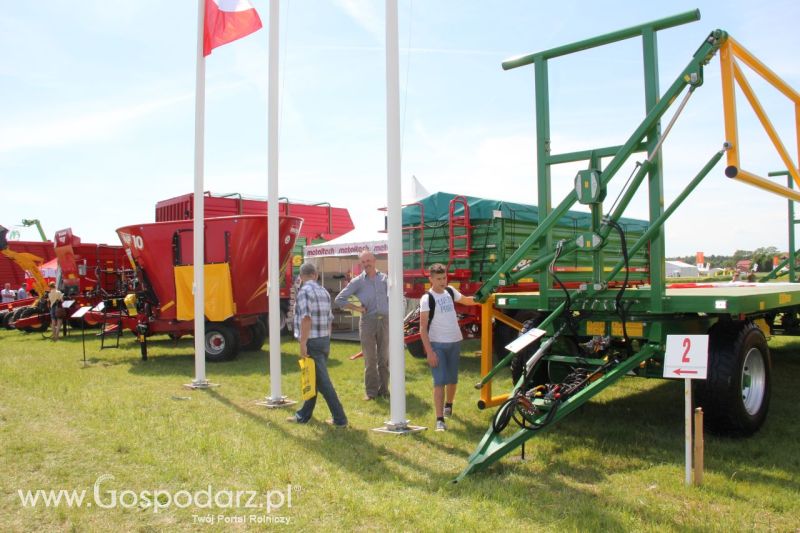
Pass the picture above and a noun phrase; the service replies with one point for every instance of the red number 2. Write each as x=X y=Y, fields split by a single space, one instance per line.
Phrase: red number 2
x=687 y=343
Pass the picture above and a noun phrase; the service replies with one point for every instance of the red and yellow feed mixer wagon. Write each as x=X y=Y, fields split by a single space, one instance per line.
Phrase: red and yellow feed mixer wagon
x=235 y=281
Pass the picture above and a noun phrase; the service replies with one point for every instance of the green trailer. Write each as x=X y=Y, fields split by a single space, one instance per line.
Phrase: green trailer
x=594 y=334
x=473 y=236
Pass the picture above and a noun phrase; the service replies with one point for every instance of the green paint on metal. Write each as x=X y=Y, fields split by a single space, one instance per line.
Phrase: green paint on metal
x=596 y=297
x=790 y=260
x=608 y=38
x=493 y=446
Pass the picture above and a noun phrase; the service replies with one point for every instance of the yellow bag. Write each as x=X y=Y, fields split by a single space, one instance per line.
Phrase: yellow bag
x=308 y=378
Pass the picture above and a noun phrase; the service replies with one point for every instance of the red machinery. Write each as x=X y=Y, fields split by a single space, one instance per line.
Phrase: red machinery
x=321 y=221
x=10 y=272
x=235 y=280
x=90 y=268
x=89 y=273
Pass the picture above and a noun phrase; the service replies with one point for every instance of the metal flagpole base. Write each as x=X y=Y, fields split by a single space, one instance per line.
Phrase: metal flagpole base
x=273 y=403
x=401 y=428
x=200 y=384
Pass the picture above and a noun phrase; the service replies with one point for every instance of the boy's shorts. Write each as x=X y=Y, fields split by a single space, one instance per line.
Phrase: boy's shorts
x=448 y=354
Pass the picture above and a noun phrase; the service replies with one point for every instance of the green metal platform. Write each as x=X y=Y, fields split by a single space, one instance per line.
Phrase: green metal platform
x=722 y=298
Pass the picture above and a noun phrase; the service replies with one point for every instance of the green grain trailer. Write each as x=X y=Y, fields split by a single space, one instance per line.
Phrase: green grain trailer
x=474 y=236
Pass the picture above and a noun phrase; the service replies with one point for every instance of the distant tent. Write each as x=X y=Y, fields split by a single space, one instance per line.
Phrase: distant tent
x=349 y=244
x=49 y=269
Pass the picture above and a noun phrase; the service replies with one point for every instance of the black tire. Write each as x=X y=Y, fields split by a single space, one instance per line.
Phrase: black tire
x=7 y=319
x=258 y=334
x=222 y=342
x=25 y=313
x=735 y=396
x=16 y=314
x=284 y=323
x=416 y=349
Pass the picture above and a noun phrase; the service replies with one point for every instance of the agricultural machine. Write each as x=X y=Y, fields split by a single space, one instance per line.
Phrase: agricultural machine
x=16 y=263
x=235 y=281
x=321 y=222
x=602 y=327
x=88 y=273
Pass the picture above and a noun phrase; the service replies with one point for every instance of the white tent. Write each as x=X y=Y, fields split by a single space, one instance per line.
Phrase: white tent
x=337 y=262
x=679 y=269
x=349 y=244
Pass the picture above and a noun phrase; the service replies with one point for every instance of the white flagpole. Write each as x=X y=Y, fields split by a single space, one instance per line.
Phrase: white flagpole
x=199 y=212
x=397 y=369
x=273 y=273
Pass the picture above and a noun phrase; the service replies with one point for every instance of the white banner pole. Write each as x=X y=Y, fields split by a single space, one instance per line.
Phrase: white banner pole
x=397 y=369
x=198 y=208
x=273 y=272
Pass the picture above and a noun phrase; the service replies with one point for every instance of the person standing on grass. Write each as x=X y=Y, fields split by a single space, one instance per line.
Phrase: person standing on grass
x=441 y=337
x=55 y=297
x=22 y=293
x=372 y=290
x=312 y=328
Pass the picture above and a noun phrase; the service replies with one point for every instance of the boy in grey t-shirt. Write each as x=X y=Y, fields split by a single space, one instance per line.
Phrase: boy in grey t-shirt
x=441 y=338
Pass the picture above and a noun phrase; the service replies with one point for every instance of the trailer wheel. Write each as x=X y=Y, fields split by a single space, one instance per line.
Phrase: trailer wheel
x=16 y=315
x=25 y=313
x=258 y=334
x=416 y=349
x=7 y=319
x=735 y=397
x=283 y=322
x=221 y=342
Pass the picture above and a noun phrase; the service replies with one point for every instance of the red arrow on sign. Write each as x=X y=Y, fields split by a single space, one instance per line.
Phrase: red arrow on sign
x=680 y=371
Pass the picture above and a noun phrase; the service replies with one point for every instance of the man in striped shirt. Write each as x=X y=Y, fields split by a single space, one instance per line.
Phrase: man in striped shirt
x=312 y=328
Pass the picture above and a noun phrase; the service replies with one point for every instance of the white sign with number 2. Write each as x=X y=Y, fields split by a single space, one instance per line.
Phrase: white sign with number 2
x=686 y=357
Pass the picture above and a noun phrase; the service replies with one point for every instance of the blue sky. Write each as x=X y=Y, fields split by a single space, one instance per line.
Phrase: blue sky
x=98 y=107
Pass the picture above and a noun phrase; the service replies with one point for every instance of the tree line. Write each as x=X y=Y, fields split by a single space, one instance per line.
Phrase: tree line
x=761 y=256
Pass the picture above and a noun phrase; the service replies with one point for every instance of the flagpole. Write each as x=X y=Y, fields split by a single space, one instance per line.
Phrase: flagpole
x=397 y=367
x=200 y=380
x=276 y=398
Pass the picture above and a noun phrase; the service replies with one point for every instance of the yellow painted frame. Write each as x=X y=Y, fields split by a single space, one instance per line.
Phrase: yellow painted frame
x=730 y=52
x=488 y=313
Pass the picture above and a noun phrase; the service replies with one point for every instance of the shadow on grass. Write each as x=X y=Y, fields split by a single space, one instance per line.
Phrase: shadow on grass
x=349 y=448
x=646 y=428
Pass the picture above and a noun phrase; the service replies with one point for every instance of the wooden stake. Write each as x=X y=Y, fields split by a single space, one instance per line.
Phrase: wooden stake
x=698 y=446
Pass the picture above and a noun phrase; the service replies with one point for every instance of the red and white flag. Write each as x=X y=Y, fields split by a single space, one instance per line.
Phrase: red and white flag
x=226 y=21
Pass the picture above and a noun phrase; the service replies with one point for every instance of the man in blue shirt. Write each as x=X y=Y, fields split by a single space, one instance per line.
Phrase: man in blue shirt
x=312 y=328
x=372 y=290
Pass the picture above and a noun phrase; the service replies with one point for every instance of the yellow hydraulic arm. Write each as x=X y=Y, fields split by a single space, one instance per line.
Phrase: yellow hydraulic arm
x=26 y=261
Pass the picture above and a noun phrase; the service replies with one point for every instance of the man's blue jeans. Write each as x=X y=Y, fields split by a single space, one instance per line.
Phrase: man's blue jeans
x=318 y=350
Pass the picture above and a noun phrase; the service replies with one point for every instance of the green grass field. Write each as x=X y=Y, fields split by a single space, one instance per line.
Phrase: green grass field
x=616 y=465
